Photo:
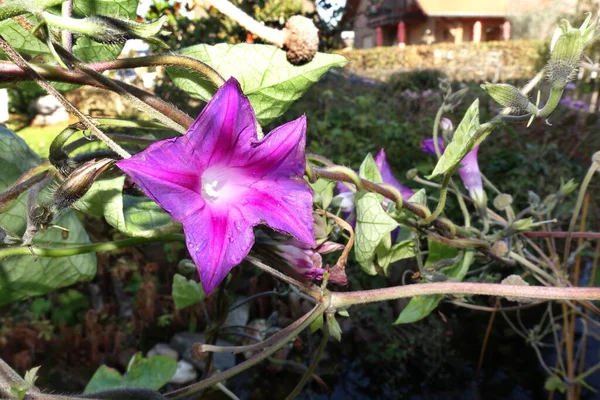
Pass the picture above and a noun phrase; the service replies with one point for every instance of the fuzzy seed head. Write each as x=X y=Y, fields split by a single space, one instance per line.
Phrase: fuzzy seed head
x=301 y=39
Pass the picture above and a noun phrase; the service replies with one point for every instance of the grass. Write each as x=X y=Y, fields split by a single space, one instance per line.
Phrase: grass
x=40 y=138
x=37 y=138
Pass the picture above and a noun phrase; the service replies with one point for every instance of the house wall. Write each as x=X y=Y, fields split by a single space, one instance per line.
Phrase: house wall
x=440 y=28
x=364 y=37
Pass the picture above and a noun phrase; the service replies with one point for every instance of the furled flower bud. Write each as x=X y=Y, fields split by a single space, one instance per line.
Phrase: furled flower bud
x=58 y=157
x=469 y=172
x=522 y=225
x=509 y=96
x=500 y=248
x=566 y=49
x=568 y=187
x=306 y=262
x=412 y=174
x=78 y=183
x=502 y=201
x=109 y=30
x=330 y=247
x=446 y=125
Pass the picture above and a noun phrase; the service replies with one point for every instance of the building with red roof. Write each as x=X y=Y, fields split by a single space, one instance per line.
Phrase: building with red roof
x=402 y=22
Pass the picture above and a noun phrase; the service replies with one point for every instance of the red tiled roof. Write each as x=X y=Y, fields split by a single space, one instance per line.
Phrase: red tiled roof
x=465 y=8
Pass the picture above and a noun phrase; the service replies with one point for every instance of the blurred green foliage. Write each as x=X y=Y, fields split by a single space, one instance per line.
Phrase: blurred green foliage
x=348 y=117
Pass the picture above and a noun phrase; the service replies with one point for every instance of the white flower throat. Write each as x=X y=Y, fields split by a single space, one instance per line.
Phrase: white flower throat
x=209 y=190
x=221 y=184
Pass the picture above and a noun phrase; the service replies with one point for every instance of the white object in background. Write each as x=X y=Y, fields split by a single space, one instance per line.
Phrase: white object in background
x=3 y=105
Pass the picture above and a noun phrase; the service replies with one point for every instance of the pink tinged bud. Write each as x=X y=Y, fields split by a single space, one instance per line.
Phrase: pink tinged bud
x=471 y=176
x=330 y=247
x=469 y=171
x=306 y=262
x=446 y=124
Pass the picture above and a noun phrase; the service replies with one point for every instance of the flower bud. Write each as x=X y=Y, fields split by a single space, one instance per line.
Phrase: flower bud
x=596 y=157
x=568 y=187
x=500 y=248
x=534 y=199
x=566 y=49
x=330 y=247
x=412 y=174
x=78 y=183
x=109 y=30
x=522 y=225
x=306 y=262
x=508 y=96
x=39 y=217
x=502 y=201
x=186 y=267
x=446 y=125
x=516 y=280
x=57 y=156
x=320 y=228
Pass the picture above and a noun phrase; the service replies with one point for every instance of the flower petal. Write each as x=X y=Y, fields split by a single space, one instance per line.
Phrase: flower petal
x=218 y=240
x=470 y=174
x=166 y=175
x=280 y=153
x=428 y=147
x=224 y=130
x=284 y=205
x=388 y=176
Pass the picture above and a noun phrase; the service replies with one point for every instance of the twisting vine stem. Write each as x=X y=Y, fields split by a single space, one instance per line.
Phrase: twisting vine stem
x=20 y=61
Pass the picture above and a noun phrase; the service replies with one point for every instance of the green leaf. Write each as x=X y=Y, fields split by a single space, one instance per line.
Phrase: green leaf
x=334 y=327
x=372 y=226
x=418 y=308
x=421 y=306
x=267 y=78
x=133 y=216
x=462 y=142
x=316 y=324
x=323 y=192
x=31 y=375
x=149 y=373
x=399 y=251
x=438 y=252
x=368 y=170
x=186 y=292
x=22 y=277
x=555 y=383
x=419 y=197
x=24 y=41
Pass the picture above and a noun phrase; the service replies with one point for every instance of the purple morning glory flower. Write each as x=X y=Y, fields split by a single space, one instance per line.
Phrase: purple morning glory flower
x=220 y=181
x=469 y=171
x=345 y=194
x=388 y=177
